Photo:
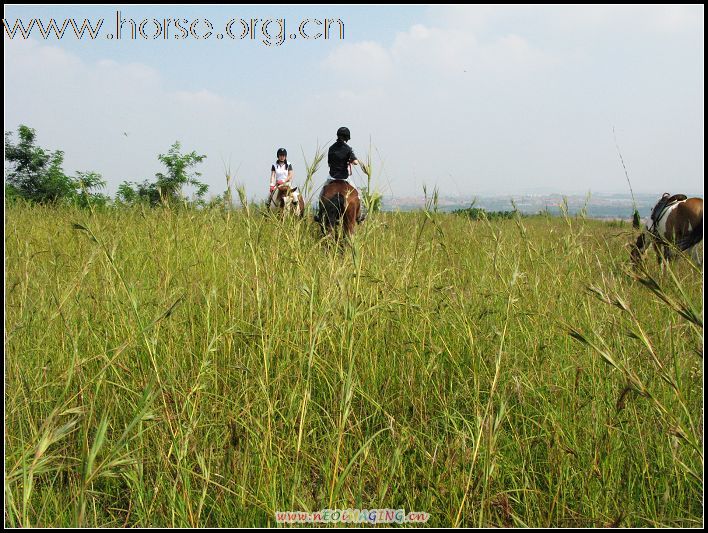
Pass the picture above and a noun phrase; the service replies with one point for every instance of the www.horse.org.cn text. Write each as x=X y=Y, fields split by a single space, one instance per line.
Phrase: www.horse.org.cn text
x=269 y=31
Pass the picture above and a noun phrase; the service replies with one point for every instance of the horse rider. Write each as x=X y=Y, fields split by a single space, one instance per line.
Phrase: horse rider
x=281 y=173
x=340 y=159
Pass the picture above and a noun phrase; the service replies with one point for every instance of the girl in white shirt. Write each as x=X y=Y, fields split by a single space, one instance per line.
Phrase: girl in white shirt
x=281 y=171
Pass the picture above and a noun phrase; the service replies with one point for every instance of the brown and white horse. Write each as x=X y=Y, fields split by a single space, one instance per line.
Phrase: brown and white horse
x=287 y=200
x=339 y=205
x=676 y=221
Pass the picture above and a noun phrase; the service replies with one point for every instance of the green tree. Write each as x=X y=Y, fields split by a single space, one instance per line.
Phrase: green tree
x=85 y=182
x=167 y=187
x=34 y=173
x=179 y=174
x=135 y=193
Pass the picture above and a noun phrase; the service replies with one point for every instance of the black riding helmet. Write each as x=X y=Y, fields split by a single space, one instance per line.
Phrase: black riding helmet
x=282 y=151
x=343 y=133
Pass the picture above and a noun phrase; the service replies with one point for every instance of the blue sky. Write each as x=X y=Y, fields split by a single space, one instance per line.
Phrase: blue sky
x=473 y=100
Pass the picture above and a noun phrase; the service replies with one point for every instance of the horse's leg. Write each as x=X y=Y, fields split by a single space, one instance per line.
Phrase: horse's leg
x=668 y=253
x=637 y=250
x=696 y=255
x=333 y=236
x=323 y=229
x=348 y=224
x=336 y=234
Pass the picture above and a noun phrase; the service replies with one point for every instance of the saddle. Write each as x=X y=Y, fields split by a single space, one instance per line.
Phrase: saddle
x=665 y=202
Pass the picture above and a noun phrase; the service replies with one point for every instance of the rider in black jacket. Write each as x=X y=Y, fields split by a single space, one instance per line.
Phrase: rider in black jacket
x=340 y=159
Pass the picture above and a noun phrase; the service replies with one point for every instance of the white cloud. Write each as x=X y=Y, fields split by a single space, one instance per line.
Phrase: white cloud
x=436 y=51
x=366 y=58
x=112 y=117
x=528 y=96
x=675 y=18
x=469 y=98
x=206 y=101
x=572 y=18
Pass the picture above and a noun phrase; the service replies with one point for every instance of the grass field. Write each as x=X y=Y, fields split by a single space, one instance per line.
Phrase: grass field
x=209 y=368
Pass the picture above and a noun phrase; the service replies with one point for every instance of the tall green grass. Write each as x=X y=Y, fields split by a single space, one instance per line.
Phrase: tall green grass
x=207 y=368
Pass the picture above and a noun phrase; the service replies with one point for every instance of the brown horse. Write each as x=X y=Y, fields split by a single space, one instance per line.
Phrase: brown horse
x=676 y=221
x=287 y=200
x=339 y=206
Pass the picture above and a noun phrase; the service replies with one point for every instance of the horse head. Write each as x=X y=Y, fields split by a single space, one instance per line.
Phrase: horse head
x=637 y=249
x=289 y=200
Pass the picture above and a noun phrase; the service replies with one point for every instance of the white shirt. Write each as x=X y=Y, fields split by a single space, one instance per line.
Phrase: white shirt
x=281 y=171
